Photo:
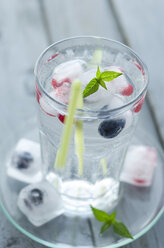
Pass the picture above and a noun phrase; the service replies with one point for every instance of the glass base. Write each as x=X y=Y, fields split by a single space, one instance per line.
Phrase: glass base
x=80 y=192
x=79 y=195
x=139 y=208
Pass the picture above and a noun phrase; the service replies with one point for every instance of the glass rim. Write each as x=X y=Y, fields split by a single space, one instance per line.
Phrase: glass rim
x=97 y=111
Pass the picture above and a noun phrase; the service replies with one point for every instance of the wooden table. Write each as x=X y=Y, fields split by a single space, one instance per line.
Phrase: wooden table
x=27 y=27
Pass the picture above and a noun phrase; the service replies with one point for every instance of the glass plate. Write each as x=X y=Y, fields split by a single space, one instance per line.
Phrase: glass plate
x=139 y=208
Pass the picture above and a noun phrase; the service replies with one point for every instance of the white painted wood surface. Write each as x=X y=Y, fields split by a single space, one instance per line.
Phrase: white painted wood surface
x=27 y=27
x=142 y=24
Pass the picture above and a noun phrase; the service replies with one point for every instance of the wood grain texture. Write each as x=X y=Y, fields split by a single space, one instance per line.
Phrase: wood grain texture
x=143 y=24
x=20 y=44
x=22 y=38
x=76 y=17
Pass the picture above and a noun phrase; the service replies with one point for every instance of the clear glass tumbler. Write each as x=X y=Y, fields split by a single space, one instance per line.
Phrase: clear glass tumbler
x=109 y=118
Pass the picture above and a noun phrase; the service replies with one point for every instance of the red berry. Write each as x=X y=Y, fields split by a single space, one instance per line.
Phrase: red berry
x=38 y=93
x=53 y=56
x=139 y=181
x=127 y=91
x=56 y=84
x=61 y=118
x=139 y=67
x=138 y=105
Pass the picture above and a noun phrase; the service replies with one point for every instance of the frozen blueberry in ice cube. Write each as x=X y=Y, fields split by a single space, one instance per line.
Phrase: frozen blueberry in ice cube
x=24 y=160
x=36 y=196
x=24 y=164
x=111 y=128
x=40 y=203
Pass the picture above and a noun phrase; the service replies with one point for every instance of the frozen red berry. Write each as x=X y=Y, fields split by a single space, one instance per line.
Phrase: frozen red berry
x=38 y=93
x=62 y=93
x=139 y=67
x=57 y=84
x=127 y=91
x=61 y=118
x=46 y=106
x=52 y=57
x=139 y=181
x=138 y=105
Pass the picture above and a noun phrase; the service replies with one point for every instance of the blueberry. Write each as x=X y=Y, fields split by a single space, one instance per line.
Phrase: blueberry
x=111 y=128
x=36 y=196
x=26 y=156
x=24 y=160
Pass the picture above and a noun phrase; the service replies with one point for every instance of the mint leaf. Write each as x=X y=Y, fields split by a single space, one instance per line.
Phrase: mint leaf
x=113 y=216
x=91 y=88
x=93 y=85
x=105 y=226
x=109 y=75
x=102 y=83
x=110 y=220
x=100 y=215
x=98 y=73
x=121 y=229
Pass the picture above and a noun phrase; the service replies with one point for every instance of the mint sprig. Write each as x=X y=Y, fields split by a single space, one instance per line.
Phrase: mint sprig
x=110 y=220
x=94 y=84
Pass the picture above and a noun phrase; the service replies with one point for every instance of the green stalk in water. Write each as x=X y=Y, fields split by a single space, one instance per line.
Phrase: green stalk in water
x=79 y=140
x=104 y=166
x=97 y=58
x=67 y=129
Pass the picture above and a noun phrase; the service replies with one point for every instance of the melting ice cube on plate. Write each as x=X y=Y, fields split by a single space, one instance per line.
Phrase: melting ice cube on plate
x=40 y=203
x=25 y=163
x=139 y=165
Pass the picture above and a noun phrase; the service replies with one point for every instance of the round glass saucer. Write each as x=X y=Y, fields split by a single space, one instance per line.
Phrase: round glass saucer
x=139 y=208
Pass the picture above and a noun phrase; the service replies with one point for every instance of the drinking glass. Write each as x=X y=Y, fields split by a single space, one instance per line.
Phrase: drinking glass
x=98 y=182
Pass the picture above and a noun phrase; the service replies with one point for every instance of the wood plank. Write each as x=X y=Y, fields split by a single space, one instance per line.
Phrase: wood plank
x=75 y=18
x=132 y=15
x=22 y=38
x=143 y=25
x=20 y=44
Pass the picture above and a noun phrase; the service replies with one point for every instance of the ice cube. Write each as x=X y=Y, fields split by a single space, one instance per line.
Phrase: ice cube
x=120 y=84
x=117 y=101
x=139 y=165
x=25 y=164
x=40 y=203
x=62 y=93
x=67 y=72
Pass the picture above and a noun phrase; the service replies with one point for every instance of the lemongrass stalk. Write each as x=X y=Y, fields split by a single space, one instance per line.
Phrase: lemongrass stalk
x=68 y=125
x=79 y=139
x=104 y=166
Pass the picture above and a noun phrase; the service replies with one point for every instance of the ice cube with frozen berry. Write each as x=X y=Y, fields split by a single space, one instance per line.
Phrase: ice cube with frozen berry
x=120 y=84
x=40 y=203
x=25 y=164
x=139 y=165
